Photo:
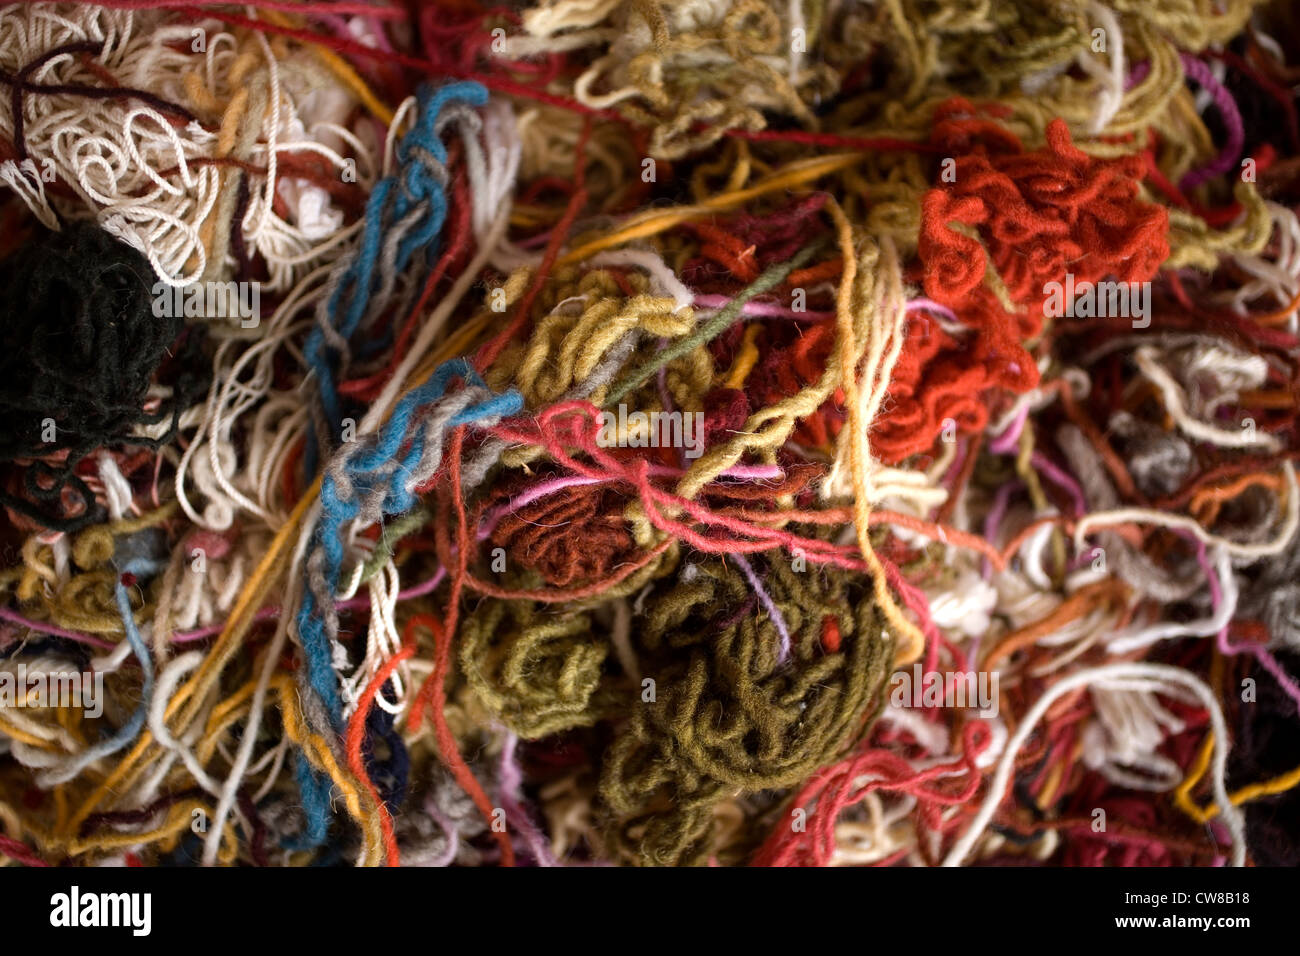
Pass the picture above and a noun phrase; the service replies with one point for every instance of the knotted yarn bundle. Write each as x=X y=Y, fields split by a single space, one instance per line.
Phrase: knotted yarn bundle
x=667 y=433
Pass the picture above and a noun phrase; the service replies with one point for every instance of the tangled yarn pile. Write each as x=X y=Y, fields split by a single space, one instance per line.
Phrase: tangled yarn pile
x=673 y=432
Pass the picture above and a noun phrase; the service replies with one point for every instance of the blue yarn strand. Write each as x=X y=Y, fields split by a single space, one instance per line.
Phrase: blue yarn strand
x=392 y=199
x=393 y=442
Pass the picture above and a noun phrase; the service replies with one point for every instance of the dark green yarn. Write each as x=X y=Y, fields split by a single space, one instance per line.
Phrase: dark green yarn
x=729 y=717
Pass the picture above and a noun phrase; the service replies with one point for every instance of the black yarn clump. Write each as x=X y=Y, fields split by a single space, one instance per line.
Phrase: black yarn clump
x=79 y=346
x=1266 y=744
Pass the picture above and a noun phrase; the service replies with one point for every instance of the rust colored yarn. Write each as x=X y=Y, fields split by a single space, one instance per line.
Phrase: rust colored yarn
x=572 y=535
x=1039 y=215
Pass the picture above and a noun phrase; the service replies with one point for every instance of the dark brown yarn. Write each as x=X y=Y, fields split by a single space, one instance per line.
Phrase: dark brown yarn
x=574 y=535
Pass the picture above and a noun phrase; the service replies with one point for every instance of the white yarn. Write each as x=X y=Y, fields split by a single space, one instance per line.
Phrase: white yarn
x=113 y=153
x=242 y=382
x=1103 y=519
x=1179 y=406
x=548 y=18
x=169 y=678
x=794 y=10
x=1110 y=79
x=1206 y=627
x=1123 y=737
x=22 y=718
x=1126 y=676
x=1276 y=277
x=117 y=490
x=1076 y=637
x=26 y=181
x=383 y=640
x=932 y=736
x=243 y=756
x=966 y=606
x=887 y=829
x=663 y=281
x=206 y=595
x=1020 y=602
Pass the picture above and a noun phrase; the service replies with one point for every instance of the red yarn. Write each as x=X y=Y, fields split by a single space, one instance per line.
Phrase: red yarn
x=834 y=788
x=433 y=693
x=725 y=413
x=355 y=735
x=1038 y=215
x=459 y=43
x=797 y=359
x=19 y=851
x=744 y=245
x=1041 y=214
x=568 y=430
x=830 y=634
x=933 y=379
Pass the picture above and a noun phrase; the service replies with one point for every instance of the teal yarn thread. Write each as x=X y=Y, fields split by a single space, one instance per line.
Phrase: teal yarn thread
x=414 y=199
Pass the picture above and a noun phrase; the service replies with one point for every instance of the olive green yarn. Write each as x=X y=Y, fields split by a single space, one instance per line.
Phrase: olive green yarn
x=536 y=670
x=728 y=716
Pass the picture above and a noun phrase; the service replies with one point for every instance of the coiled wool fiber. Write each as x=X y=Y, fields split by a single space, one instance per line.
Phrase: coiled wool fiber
x=678 y=432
